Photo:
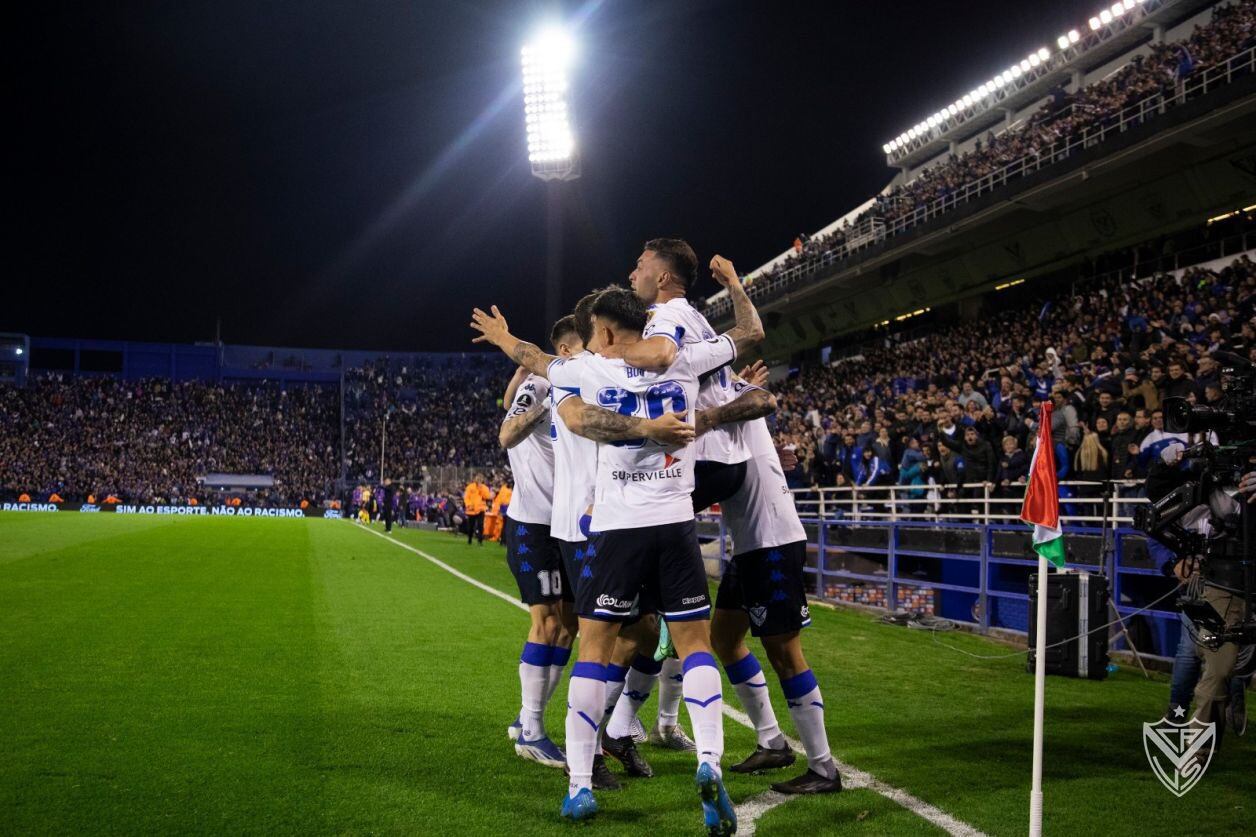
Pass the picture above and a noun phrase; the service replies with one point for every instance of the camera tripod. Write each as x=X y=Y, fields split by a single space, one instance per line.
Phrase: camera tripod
x=1107 y=550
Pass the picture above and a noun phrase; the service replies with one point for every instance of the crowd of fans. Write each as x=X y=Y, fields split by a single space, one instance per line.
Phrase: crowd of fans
x=949 y=410
x=146 y=441
x=441 y=410
x=1064 y=117
x=955 y=408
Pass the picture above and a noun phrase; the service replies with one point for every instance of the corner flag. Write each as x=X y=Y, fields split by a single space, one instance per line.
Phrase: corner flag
x=1042 y=496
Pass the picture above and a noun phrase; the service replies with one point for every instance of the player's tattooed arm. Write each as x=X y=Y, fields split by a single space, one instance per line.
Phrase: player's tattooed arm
x=602 y=425
x=516 y=427
x=751 y=404
x=747 y=332
x=494 y=329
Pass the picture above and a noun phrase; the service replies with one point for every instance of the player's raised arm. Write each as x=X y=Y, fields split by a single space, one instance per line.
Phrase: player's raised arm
x=602 y=425
x=748 y=330
x=494 y=329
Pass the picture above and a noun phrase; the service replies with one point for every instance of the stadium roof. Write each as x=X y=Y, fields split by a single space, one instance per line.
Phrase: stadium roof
x=1105 y=37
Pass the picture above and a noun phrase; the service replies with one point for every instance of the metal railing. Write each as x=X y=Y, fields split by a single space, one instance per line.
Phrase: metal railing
x=1081 y=502
x=979 y=556
x=1118 y=122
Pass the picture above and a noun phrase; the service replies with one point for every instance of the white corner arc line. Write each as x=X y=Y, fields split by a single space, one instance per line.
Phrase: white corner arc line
x=852 y=777
x=748 y=812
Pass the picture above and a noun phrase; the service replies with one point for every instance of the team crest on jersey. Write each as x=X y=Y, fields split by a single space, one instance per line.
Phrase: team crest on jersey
x=668 y=460
x=758 y=615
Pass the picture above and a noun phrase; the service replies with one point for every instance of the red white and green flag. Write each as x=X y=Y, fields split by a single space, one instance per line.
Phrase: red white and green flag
x=1042 y=496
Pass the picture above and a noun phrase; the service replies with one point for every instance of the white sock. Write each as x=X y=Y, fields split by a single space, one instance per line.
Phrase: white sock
x=751 y=686
x=705 y=700
x=534 y=664
x=586 y=700
x=670 y=692
x=615 y=677
x=638 y=684
x=557 y=664
x=806 y=707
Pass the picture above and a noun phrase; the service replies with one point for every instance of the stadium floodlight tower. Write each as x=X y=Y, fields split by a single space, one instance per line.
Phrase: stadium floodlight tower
x=546 y=60
x=547 y=116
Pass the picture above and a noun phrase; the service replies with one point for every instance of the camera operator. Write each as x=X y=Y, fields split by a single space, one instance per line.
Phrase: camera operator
x=1217 y=691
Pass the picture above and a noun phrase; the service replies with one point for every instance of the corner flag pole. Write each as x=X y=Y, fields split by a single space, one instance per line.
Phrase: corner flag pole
x=1040 y=700
x=1042 y=509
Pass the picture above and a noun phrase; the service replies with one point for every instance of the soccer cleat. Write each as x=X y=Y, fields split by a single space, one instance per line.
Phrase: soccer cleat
x=603 y=778
x=624 y=751
x=810 y=782
x=582 y=806
x=542 y=751
x=717 y=808
x=672 y=737
x=765 y=758
x=515 y=729
x=637 y=731
x=665 y=647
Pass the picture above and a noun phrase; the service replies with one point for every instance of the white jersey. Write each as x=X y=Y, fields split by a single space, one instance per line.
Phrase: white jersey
x=762 y=514
x=532 y=459
x=575 y=459
x=640 y=482
x=685 y=324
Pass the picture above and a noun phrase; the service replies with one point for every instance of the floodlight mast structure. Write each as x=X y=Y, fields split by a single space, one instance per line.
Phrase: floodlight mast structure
x=551 y=143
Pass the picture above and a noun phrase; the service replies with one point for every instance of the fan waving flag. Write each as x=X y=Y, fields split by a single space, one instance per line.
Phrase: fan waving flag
x=1042 y=496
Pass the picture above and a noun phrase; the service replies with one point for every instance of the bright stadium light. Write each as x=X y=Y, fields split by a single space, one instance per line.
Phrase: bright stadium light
x=551 y=141
x=1062 y=42
x=1043 y=53
x=1074 y=36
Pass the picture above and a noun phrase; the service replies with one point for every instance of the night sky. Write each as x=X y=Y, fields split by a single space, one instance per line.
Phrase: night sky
x=354 y=174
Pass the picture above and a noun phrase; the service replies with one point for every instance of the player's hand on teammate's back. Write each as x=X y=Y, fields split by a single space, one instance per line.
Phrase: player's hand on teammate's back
x=669 y=429
x=493 y=327
x=722 y=271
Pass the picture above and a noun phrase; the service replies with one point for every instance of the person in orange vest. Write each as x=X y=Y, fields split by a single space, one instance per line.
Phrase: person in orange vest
x=91 y=499
x=112 y=500
x=475 y=503
x=496 y=516
x=23 y=497
x=54 y=497
x=192 y=501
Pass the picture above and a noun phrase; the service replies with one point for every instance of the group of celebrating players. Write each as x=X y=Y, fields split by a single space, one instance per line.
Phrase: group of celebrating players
x=616 y=442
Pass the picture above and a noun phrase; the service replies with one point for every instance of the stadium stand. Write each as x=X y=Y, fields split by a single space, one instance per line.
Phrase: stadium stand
x=147 y=440
x=1109 y=346
x=1150 y=84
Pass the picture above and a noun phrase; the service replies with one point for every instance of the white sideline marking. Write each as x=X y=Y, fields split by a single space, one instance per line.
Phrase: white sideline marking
x=757 y=806
x=748 y=812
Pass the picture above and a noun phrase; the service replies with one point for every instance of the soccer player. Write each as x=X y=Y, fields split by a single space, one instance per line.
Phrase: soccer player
x=666 y=271
x=646 y=543
x=533 y=554
x=535 y=561
x=630 y=674
x=763 y=591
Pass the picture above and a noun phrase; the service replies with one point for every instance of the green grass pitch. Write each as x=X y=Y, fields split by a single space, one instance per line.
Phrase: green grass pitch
x=218 y=675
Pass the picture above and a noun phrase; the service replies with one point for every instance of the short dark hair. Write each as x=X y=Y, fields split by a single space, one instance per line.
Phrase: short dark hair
x=682 y=262
x=565 y=326
x=583 y=313
x=622 y=307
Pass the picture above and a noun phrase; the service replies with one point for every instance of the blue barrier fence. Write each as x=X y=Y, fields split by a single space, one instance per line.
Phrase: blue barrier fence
x=979 y=572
